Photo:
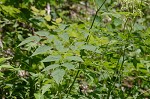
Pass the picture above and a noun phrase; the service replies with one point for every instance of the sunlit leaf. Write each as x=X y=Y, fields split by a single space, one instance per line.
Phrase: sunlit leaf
x=42 y=33
x=68 y=66
x=4 y=59
x=41 y=49
x=99 y=3
x=30 y=39
x=45 y=88
x=47 y=18
x=121 y=59
x=103 y=40
x=10 y=10
x=58 y=20
x=34 y=9
x=59 y=46
x=42 y=12
x=117 y=22
x=73 y=34
x=74 y=58
x=53 y=66
x=58 y=75
x=65 y=37
x=138 y=51
x=38 y=96
x=6 y=66
x=51 y=58
x=89 y=48
x=138 y=27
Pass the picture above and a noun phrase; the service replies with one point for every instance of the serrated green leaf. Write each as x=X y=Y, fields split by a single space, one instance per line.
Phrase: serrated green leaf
x=42 y=33
x=74 y=58
x=45 y=88
x=89 y=47
x=53 y=66
x=30 y=39
x=58 y=75
x=51 y=58
x=68 y=66
x=59 y=46
x=41 y=49
x=65 y=37
x=117 y=22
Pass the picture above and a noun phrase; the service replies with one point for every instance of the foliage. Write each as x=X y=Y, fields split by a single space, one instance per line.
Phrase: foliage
x=68 y=53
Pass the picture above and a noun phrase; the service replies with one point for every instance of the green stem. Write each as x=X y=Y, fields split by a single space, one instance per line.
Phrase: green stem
x=87 y=40
x=118 y=71
x=73 y=82
x=88 y=37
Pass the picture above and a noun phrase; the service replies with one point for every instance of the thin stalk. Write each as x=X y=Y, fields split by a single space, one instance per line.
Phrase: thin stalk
x=73 y=81
x=88 y=37
x=87 y=40
x=117 y=65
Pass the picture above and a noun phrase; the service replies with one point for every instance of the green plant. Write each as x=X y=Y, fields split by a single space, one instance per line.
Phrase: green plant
x=106 y=57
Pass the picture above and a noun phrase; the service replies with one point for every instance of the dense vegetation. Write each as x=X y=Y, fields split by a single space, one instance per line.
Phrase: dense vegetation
x=75 y=49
